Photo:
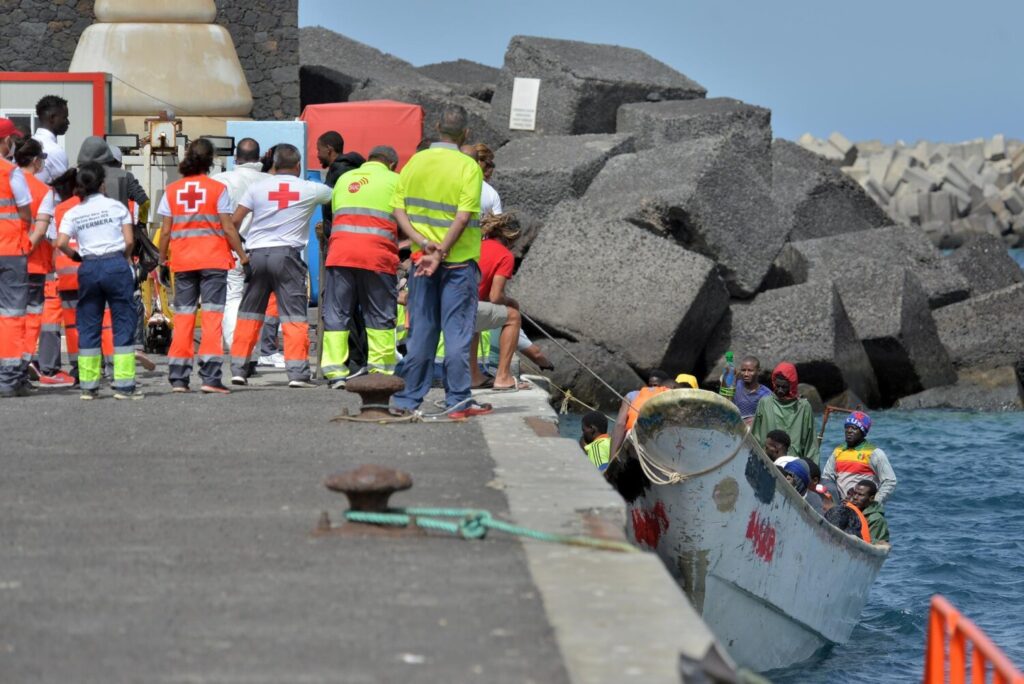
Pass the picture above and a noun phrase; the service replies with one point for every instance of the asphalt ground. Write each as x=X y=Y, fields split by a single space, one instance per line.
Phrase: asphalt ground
x=170 y=540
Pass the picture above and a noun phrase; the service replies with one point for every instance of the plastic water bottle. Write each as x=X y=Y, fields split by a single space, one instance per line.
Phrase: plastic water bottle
x=727 y=381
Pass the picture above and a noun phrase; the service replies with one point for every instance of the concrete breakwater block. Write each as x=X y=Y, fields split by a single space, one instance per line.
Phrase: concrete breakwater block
x=985 y=331
x=890 y=316
x=806 y=325
x=711 y=195
x=996 y=389
x=538 y=173
x=653 y=124
x=612 y=367
x=815 y=199
x=983 y=261
x=892 y=248
x=657 y=317
x=583 y=84
x=465 y=77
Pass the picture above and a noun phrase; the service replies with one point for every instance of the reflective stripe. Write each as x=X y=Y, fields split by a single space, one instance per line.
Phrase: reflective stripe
x=334 y=372
x=11 y=362
x=213 y=308
x=248 y=316
x=362 y=230
x=239 y=360
x=208 y=358
x=378 y=368
x=69 y=303
x=51 y=327
x=125 y=350
x=172 y=361
x=196 y=232
x=293 y=319
x=195 y=218
x=34 y=309
x=440 y=223
x=296 y=365
x=67 y=270
x=364 y=211
x=7 y=202
x=12 y=313
x=90 y=352
x=184 y=310
x=430 y=204
x=7 y=216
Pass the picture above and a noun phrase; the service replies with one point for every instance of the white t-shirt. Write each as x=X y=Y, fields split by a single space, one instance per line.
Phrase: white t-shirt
x=281 y=207
x=490 y=202
x=19 y=188
x=223 y=204
x=46 y=207
x=56 y=162
x=237 y=181
x=96 y=225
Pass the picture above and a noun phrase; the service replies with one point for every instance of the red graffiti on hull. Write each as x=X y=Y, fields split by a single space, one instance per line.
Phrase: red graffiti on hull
x=762 y=534
x=648 y=526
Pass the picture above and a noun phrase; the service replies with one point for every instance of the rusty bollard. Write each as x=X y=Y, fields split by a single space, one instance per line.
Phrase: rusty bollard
x=375 y=390
x=368 y=489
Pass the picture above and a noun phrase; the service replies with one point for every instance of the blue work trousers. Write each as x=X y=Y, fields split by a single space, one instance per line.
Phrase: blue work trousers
x=107 y=281
x=444 y=302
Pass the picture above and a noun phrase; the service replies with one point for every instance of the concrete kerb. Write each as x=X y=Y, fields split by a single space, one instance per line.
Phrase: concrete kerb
x=617 y=617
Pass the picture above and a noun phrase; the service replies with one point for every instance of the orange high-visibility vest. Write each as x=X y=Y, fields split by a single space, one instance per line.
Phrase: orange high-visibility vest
x=197 y=238
x=40 y=259
x=67 y=270
x=865 y=533
x=13 y=236
x=641 y=398
x=364 y=232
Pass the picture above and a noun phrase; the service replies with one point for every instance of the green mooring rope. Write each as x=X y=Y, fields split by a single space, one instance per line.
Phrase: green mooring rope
x=470 y=523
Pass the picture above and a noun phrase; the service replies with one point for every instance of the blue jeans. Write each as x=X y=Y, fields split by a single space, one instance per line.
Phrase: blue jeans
x=445 y=301
x=106 y=281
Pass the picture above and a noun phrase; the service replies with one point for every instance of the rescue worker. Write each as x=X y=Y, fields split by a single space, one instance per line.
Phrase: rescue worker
x=30 y=157
x=104 y=232
x=15 y=244
x=860 y=460
x=281 y=207
x=785 y=410
x=658 y=381
x=362 y=267
x=595 y=440
x=437 y=206
x=196 y=223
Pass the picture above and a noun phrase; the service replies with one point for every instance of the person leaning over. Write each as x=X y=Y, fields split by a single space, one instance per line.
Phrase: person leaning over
x=437 y=206
x=103 y=229
x=362 y=267
x=198 y=232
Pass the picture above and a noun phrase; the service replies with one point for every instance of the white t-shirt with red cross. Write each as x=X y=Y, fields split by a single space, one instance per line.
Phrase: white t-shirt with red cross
x=281 y=207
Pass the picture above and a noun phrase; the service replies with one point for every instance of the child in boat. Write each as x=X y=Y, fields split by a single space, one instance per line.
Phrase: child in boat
x=595 y=440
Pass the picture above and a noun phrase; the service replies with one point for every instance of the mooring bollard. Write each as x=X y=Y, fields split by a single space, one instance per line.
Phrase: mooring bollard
x=368 y=489
x=375 y=390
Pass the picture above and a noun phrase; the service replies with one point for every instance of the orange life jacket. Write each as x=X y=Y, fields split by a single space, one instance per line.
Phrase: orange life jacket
x=13 y=235
x=865 y=533
x=197 y=238
x=67 y=270
x=642 y=397
x=40 y=259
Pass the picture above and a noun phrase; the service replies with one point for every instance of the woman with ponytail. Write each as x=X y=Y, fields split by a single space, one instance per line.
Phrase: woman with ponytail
x=102 y=228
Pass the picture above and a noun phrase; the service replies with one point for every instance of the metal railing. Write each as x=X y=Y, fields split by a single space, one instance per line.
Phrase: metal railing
x=966 y=642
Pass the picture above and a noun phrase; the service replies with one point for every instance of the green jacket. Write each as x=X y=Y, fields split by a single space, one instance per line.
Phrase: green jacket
x=795 y=418
x=877 y=525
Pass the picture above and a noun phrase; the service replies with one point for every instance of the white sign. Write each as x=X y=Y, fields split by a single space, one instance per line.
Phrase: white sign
x=523 y=115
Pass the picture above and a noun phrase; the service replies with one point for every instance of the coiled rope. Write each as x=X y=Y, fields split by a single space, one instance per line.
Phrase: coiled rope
x=660 y=474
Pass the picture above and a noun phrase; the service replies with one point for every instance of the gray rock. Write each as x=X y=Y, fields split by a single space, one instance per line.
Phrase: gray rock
x=806 y=325
x=712 y=195
x=653 y=124
x=433 y=102
x=357 y=62
x=890 y=315
x=592 y=280
x=986 y=331
x=569 y=375
x=815 y=199
x=996 y=389
x=813 y=397
x=583 y=84
x=880 y=250
x=846 y=399
x=983 y=261
x=465 y=77
x=538 y=173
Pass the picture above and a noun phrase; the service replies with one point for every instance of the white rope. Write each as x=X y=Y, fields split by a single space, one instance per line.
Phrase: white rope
x=660 y=474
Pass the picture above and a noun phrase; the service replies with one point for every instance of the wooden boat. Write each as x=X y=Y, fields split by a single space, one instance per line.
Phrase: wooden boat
x=772 y=579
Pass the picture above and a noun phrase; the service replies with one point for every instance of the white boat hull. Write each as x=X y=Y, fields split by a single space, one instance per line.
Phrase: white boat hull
x=772 y=578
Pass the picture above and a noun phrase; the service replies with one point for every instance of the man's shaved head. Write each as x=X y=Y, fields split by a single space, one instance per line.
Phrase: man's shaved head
x=453 y=124
x=247 y=150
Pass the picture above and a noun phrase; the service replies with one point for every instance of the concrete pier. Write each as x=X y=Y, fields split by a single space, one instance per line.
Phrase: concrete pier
x=171 y=540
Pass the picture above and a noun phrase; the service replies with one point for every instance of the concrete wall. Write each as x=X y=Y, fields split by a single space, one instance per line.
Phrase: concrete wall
x=40 y=35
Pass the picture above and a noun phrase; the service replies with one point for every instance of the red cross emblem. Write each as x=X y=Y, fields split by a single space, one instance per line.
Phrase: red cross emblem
x=284 y=196
x=192 y=197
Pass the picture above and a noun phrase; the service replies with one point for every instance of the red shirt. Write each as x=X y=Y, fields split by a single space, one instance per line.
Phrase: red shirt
x=495 y=259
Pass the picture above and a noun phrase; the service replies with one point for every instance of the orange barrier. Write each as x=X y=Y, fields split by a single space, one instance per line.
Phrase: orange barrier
x=947 y=623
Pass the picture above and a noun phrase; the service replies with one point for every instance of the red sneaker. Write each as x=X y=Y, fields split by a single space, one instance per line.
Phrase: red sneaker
x=478 y=410
x=58 y=379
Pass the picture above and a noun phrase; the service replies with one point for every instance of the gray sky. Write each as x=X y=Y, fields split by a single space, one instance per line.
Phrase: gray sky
x=871 y=69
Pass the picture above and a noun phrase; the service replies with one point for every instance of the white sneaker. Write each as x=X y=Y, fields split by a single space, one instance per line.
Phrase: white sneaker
x=131 y=396
x=276 y=360
x=302 y=384
x=338 y=383
x=238 y=380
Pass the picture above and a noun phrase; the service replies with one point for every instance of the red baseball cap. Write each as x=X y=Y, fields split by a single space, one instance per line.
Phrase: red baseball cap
x=8 y=128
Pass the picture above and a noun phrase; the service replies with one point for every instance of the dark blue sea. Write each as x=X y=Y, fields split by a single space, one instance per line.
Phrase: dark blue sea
x=957 y=526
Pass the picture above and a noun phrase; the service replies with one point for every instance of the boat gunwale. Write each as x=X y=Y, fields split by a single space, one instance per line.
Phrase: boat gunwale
x=678 y=397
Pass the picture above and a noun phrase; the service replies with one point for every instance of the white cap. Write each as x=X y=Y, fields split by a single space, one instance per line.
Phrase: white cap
x=116 y=151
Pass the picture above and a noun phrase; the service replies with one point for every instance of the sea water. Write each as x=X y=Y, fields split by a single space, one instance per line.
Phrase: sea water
x=957 y=528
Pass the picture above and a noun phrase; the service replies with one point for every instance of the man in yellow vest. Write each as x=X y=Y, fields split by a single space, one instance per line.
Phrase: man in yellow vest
x=860 y=460
x=595 y=440
x=437 y=206
x=362 y=266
